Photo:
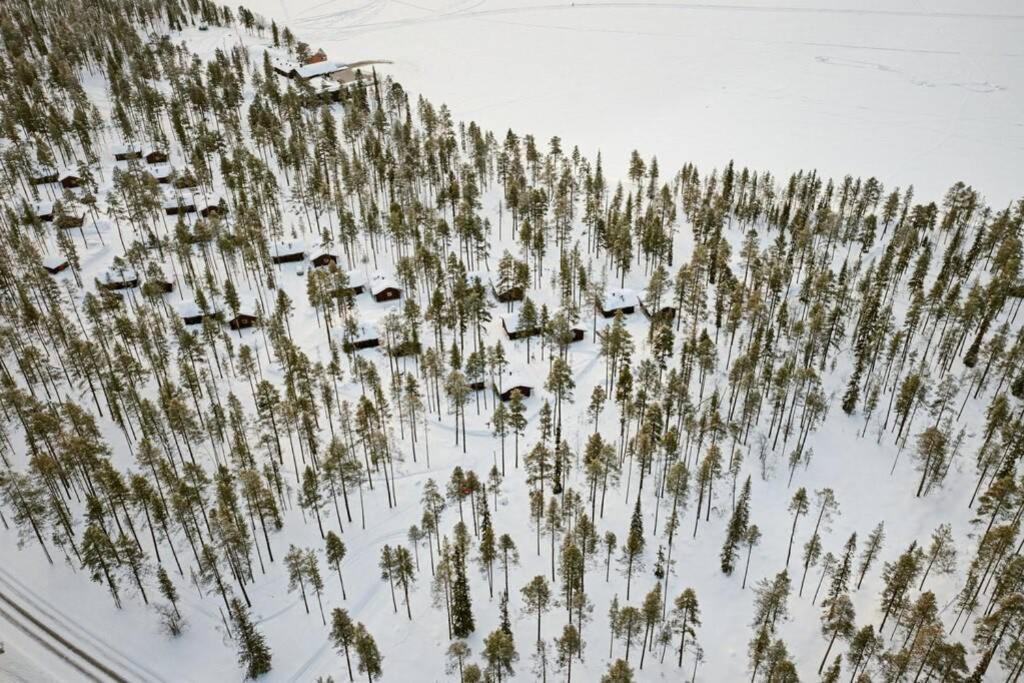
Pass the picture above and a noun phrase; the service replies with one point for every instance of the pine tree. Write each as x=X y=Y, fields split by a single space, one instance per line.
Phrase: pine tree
x=368 y=655
x=568 y=645
x=536 y=596
x=870 y=552
x=685 y=618
x=461 y=609
x=334 y=548
x=634 y=546
x=343 y=633
x=619 y=671
x=253 y=653
x=500 y=654
x=799 y=506
x=737 y=529
x=457 y=654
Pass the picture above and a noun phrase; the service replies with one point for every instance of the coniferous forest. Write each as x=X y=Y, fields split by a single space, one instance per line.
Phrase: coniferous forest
x=302 y=379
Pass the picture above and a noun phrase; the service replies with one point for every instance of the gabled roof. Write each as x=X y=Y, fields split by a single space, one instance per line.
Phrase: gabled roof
x=307 y=71
x=616 y=299
x=379 y=282
x=54 y=262
x=127 y=148
x=113 y=276
x=287 y=248
x=160 y=170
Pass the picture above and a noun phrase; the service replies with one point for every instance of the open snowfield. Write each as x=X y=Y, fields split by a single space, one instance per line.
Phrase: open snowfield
x=912 y=91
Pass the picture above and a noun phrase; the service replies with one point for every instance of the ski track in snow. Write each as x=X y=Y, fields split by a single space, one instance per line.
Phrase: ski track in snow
x=469 y=13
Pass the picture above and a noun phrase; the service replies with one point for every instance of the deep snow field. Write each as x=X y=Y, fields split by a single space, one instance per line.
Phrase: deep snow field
x=911 y=92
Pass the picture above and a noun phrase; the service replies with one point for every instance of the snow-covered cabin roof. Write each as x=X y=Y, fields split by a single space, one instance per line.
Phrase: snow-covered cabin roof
x=173 y=201
x=380 y=282
x=117 y=276
x=43 y=208
x=617 y=299
x=511 y=321
x=190 y=309
x=160 y=171
x=308 y=71
x=127 y=148
x=367 y=331
x=54 y=262
x=287 y=248
x=203 y=202
x=321 y=85
x=355 y=278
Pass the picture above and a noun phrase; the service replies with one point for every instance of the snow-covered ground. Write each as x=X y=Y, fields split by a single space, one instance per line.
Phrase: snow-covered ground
x=911 y=95
x=912 y=91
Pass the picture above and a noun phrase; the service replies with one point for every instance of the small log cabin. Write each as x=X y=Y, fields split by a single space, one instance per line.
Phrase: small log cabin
x=287 y=252
x=68 y=221
x=323 y=259
x=513 y=327
x=55 y=264
x=662 y=313
x=384 y=289
x=118 y=278
x=127 y=152
x=191 y=314
x=242 y=321
x=506 y=293
x=43 y=211
x=212 y=207
x=505 y=394
x=162 y=173
x=155 y=155
x=43 y=175
x=69 y=180
x=179 y=206
x=366 y=337
x=618 y=300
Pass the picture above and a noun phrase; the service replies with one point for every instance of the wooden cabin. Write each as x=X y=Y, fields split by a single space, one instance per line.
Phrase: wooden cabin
x=127 y=152
x=162 y=173
x=406 y=347
x=513 y=327
x=505 y=394
x=287 y=252
x=356 y=283
x=663 y=313
x=366 y=337
x=506 y=293
x=213 y=208
x=115 y=279
x=184 y=179
x=43 y=211
x=616 y=301
x=43 y=175
x=177 y=207
x=70 y=181
x=384 y=289
x=155 y=155
x=191 y=314
x=160 y=286
x=55 y=264
x=242 y=321
x=323 y=259
x=578 y=333
x=69 y=220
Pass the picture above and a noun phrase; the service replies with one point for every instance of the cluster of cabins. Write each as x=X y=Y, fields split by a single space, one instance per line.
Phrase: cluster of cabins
x=152 y=159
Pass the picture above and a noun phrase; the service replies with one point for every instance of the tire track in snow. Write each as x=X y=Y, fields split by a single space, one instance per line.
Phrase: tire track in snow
x=43 y=608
